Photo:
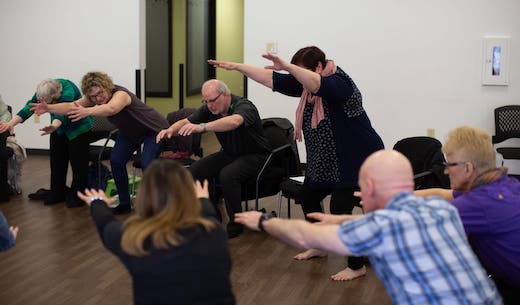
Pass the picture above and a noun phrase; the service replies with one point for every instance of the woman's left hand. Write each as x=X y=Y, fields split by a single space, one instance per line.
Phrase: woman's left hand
x=91 y=195
x=278 y=63
x=48 y=130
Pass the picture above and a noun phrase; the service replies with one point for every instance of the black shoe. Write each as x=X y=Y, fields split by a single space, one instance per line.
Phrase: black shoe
x=234 y=229
x=121 y=209
x=40 y=194
x=4 y=198
x=51 y=200
x=74 y=203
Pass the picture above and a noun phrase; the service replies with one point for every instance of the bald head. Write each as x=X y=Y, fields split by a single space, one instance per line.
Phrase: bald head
x=384 y=174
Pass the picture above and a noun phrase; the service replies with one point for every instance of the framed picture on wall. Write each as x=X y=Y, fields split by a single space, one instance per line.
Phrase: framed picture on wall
x=496 y=52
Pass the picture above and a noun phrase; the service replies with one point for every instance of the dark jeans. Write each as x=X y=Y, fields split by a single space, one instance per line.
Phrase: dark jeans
x=121 y=154
x=230 y=171
x=3 y=165
x=63 y=151
x=342 y=201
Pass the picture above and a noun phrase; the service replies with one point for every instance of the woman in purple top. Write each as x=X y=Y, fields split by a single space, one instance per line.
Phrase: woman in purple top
x=488 y=202
x=137 y=123
x=338 y=133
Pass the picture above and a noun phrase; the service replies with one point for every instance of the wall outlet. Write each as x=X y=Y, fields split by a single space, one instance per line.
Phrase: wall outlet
x=36 y=119
x=430 y=132
x=271 y=47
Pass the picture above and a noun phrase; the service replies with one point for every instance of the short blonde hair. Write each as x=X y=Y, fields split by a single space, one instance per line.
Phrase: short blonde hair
x=165 y=204
x=96 y=79
x=49 y=90
x=473 y=144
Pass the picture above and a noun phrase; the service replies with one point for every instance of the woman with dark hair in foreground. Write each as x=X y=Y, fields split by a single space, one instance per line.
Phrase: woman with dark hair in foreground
x=173 y=246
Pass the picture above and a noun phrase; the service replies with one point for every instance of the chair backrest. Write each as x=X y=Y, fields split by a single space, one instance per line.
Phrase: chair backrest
x=279 y=132
x=189 y=144
x=507 y=123
x=425 y=155
x=101 y=128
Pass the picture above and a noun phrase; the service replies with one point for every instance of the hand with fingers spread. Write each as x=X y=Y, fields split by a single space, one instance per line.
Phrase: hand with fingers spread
x=39 y=108
x=278 y=63
x=202 y=190
x=91 y=195
x=190 y=128
x=165 y=133
x=48 y=129
x=227 y=65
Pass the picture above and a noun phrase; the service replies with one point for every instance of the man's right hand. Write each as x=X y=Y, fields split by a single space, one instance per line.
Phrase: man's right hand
x=165 y=133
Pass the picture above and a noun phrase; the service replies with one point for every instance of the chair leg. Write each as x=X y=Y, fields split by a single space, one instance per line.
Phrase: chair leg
x=279 y=203
x=14 y=166
x=134 y=173
x=288 y=207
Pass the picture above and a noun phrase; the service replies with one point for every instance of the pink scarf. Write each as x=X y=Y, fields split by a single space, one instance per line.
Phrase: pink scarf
x=307 y=97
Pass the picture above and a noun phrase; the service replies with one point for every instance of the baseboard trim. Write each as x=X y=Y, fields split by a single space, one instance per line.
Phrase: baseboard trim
x=37 y=152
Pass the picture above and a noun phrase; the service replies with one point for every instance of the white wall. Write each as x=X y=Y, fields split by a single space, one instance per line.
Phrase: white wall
x=64 y=39
x=417 y=63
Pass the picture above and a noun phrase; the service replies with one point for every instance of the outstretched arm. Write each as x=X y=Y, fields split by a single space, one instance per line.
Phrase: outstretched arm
x=227 y=123
x=444 y=193
x=298 y=233
x=309 y=79
x=171 y=131
x=259 y=75
x=332 y=219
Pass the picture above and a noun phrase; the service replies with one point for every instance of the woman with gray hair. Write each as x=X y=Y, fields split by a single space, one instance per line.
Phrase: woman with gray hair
x=69 y=141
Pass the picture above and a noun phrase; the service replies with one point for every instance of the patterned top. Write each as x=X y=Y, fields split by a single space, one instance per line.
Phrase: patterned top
x=418 y=248
x=343 y=139
x=69 y=94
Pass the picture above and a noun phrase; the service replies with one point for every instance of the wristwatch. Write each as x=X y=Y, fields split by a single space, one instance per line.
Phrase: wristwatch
x=203 y=125
x=263 y=217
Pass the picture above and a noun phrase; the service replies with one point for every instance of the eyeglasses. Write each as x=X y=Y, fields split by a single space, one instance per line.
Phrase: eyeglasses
x=211 y=101
x=450 y=164
x=95 y=96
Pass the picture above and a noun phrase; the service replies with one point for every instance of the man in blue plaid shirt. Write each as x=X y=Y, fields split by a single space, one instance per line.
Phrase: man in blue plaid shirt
x=417 y=246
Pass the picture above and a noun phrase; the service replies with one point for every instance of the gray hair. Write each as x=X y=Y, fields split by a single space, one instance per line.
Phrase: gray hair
x=49 y=90
x=221 y=86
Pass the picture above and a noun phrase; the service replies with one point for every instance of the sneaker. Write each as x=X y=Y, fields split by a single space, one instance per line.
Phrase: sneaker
x=121 y=209
x=234 y=229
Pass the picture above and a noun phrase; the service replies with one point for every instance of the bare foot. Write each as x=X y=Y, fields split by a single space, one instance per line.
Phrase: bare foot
x=308 y=254
x=348 y=274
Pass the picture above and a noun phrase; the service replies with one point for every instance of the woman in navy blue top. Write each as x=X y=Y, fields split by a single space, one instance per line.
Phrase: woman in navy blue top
x=338 y=133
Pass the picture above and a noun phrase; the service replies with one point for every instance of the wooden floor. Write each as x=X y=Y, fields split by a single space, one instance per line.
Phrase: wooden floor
x=58 y=259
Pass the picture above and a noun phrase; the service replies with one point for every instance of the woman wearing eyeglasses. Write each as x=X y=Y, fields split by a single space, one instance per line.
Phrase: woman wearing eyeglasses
x=173 y=246
x=137 y=123
x=338 y=133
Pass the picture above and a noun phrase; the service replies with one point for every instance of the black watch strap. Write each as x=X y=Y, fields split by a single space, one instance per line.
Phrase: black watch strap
x=263 y=217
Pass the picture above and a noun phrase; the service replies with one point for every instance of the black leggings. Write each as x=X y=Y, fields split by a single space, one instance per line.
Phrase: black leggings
x=342 y=201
